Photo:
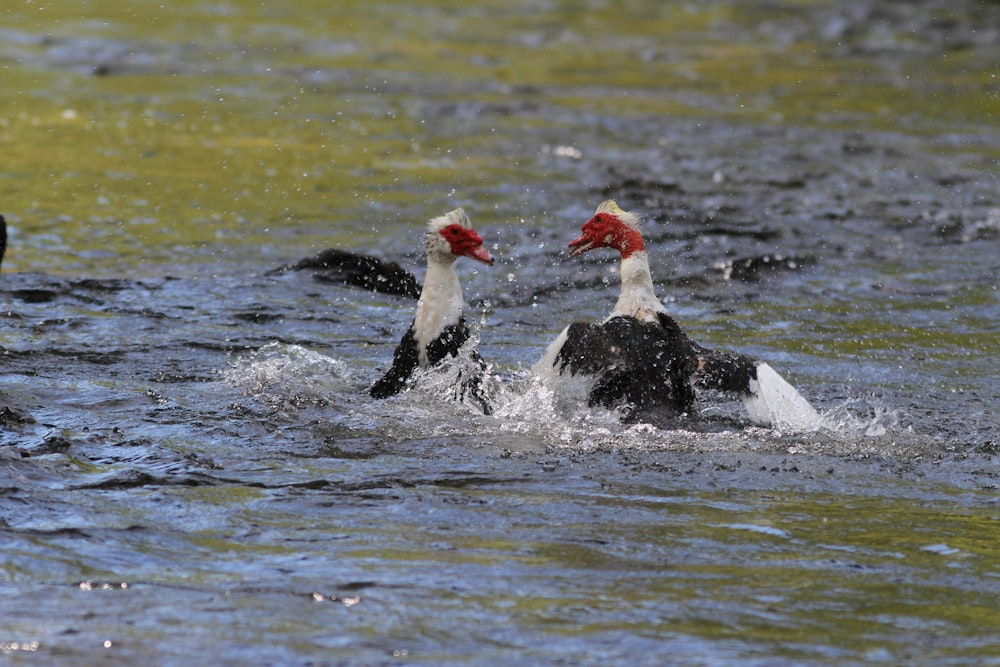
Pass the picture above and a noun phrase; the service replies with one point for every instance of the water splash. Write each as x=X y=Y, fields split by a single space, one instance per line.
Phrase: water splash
x=461 y=381
x=846 y=420
x=292 y=370
x=529 y=404
x=529 y=411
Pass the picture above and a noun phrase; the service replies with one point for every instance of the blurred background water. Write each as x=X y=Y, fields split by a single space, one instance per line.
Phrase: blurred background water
x=190 y=470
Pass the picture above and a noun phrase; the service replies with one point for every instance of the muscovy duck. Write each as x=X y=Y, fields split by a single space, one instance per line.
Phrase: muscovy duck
x=439 y=329
x=641 y=360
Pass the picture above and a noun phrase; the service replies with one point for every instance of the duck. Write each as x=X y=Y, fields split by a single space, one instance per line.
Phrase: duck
x=641 y=362
x=439 y=328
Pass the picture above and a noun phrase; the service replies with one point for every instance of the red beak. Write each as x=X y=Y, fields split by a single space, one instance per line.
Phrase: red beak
x=580 y=245
x=480 y=253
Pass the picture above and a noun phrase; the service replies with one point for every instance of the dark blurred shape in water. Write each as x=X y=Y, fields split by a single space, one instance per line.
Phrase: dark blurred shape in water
x=344 y=267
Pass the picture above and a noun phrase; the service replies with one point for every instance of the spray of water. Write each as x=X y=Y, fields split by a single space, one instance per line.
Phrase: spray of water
x=291 y=370
x=530 y=411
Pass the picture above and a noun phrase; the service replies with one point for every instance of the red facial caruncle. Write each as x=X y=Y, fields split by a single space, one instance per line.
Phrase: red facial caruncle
x=605 y=230
x=465 y=242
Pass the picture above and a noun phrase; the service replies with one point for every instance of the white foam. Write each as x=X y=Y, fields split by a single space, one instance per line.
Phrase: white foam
x=850 y=419
x=453 y=379
x=778 y=404
x=280 y=368
x=551 y=411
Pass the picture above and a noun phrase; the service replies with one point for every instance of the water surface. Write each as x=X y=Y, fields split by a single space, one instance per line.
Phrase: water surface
x=189 y=465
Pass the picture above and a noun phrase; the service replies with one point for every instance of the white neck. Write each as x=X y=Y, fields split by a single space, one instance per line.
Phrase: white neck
x=440 y=303
x=637 y=298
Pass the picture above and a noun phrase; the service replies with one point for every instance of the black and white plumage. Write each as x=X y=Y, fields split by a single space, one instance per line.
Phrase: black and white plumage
x=439 y=329
x=640 y=359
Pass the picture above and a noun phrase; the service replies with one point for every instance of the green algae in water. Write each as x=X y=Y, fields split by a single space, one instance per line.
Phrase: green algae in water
x=140 y=139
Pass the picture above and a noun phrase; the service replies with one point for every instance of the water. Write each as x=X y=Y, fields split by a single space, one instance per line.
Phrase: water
x=189 y=465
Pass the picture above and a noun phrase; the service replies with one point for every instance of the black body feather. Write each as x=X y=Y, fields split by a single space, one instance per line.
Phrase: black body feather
x=368 y=272
x=642 y=367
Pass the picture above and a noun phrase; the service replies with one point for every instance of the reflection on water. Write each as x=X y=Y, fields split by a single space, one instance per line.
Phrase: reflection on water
x=139 y=138
x=189 y=462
